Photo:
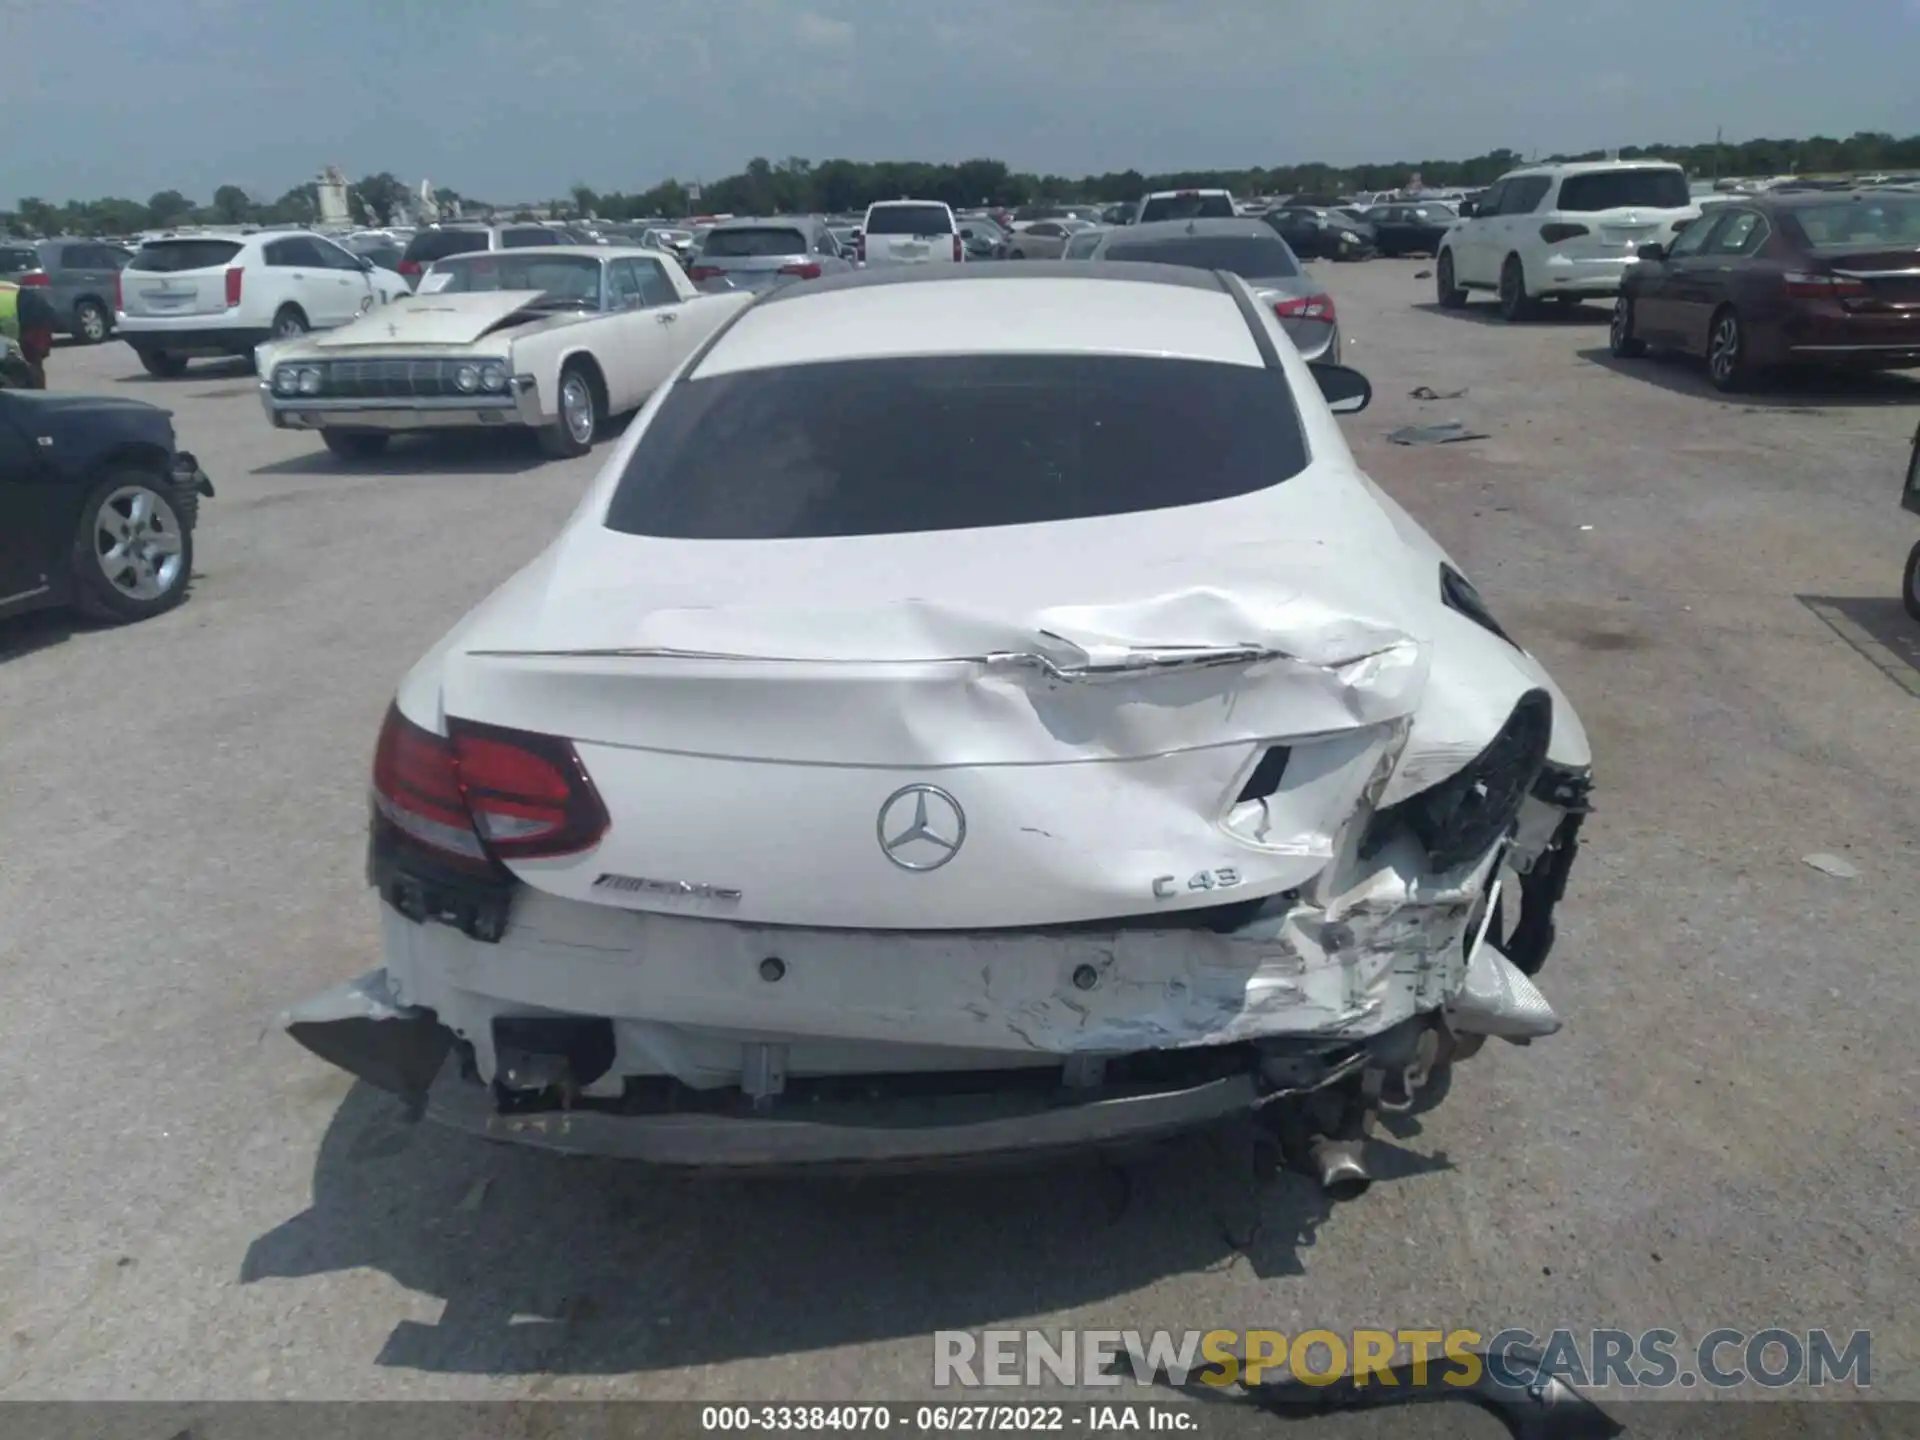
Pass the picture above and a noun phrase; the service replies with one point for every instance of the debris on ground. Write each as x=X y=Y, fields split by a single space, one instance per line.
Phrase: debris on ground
x=1427 y=392
x=1833 y=865
x=476 y=1195
x=1445 y=433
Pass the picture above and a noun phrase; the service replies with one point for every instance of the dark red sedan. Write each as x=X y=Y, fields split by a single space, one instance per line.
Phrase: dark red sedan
x=1812 y=278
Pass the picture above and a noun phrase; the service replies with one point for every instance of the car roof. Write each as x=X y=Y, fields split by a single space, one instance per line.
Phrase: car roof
x=1803 y=199
x=766 y=222
x=883 y=204
x=1169 y=311
x=1587 y=167
x=1196 y=228
x=1188 y=190
x=585 y=252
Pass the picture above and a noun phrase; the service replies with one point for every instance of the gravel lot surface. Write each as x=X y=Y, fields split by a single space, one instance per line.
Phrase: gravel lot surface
x=1723 y=1135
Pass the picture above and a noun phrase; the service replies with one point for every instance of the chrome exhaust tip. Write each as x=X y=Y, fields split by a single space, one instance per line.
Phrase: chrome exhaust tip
x=1339 y=1164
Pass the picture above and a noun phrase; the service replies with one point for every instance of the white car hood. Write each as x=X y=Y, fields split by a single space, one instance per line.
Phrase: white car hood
x=440 y=319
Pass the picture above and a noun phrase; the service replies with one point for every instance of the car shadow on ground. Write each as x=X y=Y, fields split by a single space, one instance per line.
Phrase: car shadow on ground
x=38 y=630
x=505 y=452
x=1806 y=391
x=1545 y=317
x=1878 y=627
x=196 y=370
x=558 y=1265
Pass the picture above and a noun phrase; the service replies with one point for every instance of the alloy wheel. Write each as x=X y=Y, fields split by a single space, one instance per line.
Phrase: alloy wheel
x=1723 y=351
x=136 y=540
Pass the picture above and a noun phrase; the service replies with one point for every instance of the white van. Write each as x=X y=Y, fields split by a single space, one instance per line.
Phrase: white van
x=1566 y=231
x=910 y=232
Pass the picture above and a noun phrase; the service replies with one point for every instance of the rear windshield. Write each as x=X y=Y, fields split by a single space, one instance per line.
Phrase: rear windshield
x=1851 y=224
x=387 y=257
x=431 y=245
x=166 y=256
x=1253 y=257
x=909 y=220
x=952 y=442
x=1217 y=206
x=530 y=239
x=734 y=244
x=1625 y=189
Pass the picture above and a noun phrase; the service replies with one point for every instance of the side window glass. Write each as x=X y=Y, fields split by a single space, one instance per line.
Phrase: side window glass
x=1742 y=234
x=625 y=285
x=1523 y=196
x=1693 y=239
x=655 y=287
x=1491 y=201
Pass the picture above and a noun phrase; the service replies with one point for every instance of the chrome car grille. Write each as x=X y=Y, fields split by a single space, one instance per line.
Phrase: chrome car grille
x=390 y=379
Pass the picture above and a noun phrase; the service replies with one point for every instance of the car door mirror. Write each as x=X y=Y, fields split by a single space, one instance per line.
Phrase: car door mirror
x=1347 y=391
x=1655 y=251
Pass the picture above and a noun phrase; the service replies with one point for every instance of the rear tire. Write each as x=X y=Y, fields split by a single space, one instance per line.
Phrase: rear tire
x=133 y=554
x=1450 y=295
x=1621 y=340
x=162 y=365
x=289 y=323
x=91 y=323
x=572 y=434
x=1727 y=367
x=356 y=444
x=1515 y=304
x=1910 y=583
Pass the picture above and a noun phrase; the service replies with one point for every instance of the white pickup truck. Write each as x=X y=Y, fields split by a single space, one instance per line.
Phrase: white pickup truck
x=910 y=232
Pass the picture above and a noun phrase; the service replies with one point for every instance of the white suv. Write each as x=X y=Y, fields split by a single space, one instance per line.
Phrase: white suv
x=1569 y=231
x=192 y=295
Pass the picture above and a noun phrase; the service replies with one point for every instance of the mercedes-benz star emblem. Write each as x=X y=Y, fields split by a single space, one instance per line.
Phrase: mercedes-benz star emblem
x=921 y=827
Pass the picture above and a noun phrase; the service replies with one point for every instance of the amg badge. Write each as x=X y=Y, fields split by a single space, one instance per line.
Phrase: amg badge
x=676 y=889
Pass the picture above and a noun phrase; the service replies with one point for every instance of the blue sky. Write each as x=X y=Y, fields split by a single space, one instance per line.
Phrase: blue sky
x=518 y=99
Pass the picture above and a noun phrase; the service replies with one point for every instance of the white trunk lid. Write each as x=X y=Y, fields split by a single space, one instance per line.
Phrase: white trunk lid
x=752 y=713
x=178 y=277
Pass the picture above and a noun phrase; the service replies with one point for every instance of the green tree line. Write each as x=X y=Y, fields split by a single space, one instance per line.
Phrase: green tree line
x=373 y=200
x=795 y=185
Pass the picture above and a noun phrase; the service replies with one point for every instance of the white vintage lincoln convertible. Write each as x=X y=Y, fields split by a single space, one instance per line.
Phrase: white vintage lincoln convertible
x=557 y=339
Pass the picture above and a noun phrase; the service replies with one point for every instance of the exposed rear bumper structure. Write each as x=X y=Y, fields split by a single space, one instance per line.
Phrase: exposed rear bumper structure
x=548 y=1077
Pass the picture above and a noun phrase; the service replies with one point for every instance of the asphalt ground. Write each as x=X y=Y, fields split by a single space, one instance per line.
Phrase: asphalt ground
x=1723 y=1135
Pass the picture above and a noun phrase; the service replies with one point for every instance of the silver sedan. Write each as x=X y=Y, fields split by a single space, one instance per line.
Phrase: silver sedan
x=1252 y=251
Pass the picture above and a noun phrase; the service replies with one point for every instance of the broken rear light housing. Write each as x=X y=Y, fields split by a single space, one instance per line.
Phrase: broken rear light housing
x=482 y=794
x=1306 y=307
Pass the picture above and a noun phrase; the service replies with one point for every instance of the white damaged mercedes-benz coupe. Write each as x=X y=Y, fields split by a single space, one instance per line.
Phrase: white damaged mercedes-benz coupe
x=967 y=716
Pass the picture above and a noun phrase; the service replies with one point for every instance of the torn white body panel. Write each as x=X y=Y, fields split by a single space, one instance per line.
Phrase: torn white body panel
x=689 y=996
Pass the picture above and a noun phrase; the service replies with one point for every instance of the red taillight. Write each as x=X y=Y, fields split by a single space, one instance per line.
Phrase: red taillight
x=860 y=249
x=957 y=250
x=808 y=271
x=704 y=272
x=1306 y=307
x=409 y=268
x=233 y=286
x=1803 y=285
x=484 y=792
x=34 y=279
x=1553 y=234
